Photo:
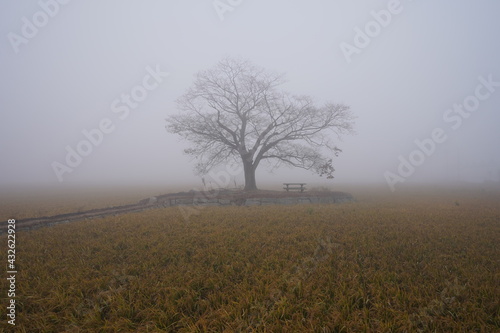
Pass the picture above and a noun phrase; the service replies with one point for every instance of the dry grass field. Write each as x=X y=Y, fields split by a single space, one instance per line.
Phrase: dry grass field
x=37 y=202
x=421 y=260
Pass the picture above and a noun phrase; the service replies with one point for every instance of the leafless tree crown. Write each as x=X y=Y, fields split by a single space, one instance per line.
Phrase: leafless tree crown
x=236 y=110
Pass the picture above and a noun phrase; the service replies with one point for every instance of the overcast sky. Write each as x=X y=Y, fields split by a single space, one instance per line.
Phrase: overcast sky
x=66 y=66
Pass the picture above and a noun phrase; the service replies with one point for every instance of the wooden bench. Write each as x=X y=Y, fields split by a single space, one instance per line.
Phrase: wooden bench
x=294 y=187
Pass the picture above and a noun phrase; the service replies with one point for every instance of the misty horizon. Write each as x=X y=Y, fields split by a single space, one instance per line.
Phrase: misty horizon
x=423 y=82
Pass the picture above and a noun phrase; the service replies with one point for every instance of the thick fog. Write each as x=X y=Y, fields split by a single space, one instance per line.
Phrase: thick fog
x=422 y=78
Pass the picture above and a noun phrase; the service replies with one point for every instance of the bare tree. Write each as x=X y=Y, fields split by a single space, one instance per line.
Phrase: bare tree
x=235 y=111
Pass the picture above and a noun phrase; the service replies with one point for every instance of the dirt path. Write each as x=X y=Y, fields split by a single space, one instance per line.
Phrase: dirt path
x=197 y=198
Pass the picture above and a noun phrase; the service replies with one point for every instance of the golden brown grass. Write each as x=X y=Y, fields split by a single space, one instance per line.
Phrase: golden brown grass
x=24 y=203
x=412 y=262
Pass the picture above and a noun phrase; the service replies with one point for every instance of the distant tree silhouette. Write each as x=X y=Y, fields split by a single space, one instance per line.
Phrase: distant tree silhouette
x=235 y=110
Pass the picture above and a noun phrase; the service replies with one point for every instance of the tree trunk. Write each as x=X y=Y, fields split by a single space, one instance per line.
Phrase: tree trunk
x=249 y=169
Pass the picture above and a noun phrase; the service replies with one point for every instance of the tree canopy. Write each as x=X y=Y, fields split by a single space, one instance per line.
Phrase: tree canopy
x=235 y=111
